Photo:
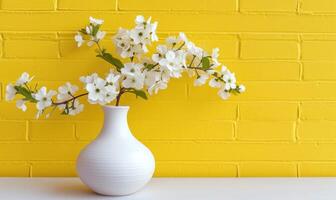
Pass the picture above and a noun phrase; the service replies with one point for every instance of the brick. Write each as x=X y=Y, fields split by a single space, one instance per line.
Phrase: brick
x=318 y=111
x=268 y=111
x=28 y=5
x=40 y=130
x=265 y=5
x=318 y=50
x=317 y=169
x=183 y=110
x=272 y=36
x=14 y=169
x=50 y=69
x=177 y=91
x=2 y=91
x=259 y=49
x=272 y=91
x=12 y=130
x=41 y=151
x=69 y=49
x=243 y=151
x=319 y=70
x=210 y=5
x=252 y=130
x=86 y=5
x=271 y=70
x=91 y=112
x=88 y=130
x=324 y=6
x=265 y=169
x=30 y=49
x=228 y=44
x=317 y=36
x=29 y=36
x=1 y=47
x=177 y=130
x=195 y=169
x=58 y=169
x=179 y=151
x=317 y=130
x=71 y=21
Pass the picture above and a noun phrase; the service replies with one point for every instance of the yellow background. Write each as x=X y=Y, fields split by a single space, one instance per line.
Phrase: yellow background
x=283 y=51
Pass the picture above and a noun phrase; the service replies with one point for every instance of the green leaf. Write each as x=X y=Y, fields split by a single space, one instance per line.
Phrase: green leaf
x=112 y=60
x=26 y=93
x=83 y=31
x=139 y=93
x=205 y=63
x=95 y=30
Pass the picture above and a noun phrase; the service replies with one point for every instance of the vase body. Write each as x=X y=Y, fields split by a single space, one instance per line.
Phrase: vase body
x=115 y=163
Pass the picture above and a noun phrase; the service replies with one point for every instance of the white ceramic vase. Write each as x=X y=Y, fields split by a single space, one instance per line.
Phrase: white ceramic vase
x=115 y=163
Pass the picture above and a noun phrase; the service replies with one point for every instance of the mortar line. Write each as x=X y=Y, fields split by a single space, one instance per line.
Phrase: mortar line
x=298 y=168
x=117 y=5
x=55 y=5
x=27 y=131
x=30 y=169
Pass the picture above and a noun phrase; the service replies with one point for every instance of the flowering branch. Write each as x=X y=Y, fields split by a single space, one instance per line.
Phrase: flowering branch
x=140 y=76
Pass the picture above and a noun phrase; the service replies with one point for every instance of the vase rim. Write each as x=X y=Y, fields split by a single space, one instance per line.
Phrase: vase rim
x=116 y=107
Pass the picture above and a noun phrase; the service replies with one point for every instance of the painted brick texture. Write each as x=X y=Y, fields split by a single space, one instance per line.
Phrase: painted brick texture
x=283 y=51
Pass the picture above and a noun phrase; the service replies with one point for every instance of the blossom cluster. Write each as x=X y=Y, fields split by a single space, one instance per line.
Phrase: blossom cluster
x=43 y=98
x=142 y=73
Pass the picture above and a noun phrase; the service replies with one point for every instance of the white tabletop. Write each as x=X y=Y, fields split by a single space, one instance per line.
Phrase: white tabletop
x=177 y=189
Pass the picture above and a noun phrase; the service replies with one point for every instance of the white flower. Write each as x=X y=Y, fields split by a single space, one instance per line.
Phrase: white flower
x=79 y=39
x=139 y=36
x=173 y=62
x=131 y=69
x=100 y=35
x=10 y=92
x=134 y=81
x=20 y=104
x=215 y=83
x=224 y=69
x=24 y=78
x=96 y=90
x=43 y=98
x=241 y=88
x=183 y=37
x=151 y=77
x=140 y=20
x=110 y=93
x=113 y=79
x=96 y=22
x=161 y=51
x=123 y=41
x=88 y=79
x=194 y=50
x=214 y=57
x=66 y=91
x=223 y=94
x=172 y=41
x=76 y=108
x=201 y=80
x=91 y=42
x=88 y=30
x=151 y=28
x=230 y=80
x=160 y=85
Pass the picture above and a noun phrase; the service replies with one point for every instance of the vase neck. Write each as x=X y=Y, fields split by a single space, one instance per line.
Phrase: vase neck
x=115 y=122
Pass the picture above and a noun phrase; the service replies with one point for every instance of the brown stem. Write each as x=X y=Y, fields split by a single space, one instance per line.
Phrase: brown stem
x=121 y=92
x=69 y=100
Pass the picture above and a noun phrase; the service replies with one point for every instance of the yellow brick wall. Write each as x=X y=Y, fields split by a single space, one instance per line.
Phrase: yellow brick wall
x=284 y=51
